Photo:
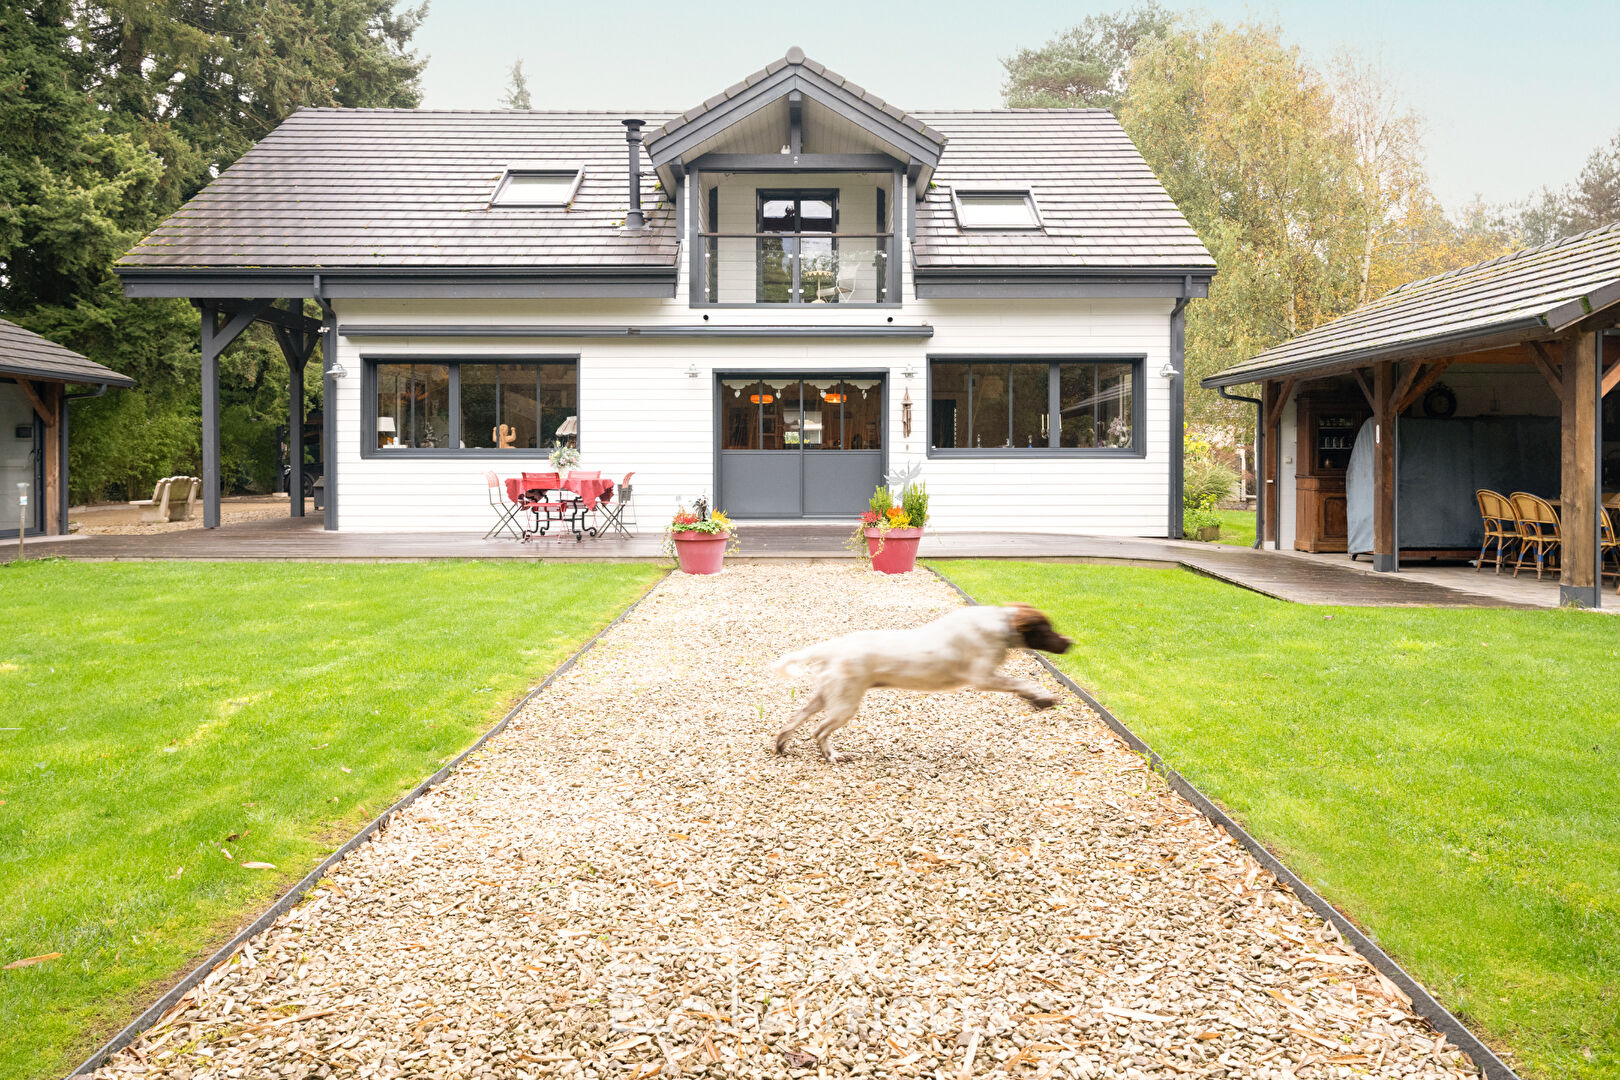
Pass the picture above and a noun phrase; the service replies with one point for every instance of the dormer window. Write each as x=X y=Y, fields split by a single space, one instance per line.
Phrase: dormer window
x=998 y=210
x=537 y=187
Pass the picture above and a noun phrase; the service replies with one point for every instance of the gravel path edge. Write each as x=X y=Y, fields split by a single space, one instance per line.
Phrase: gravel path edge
x=1423 y=1003
x=159 y=1008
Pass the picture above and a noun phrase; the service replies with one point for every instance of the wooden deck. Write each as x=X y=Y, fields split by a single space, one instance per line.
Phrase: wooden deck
x=1282 y=575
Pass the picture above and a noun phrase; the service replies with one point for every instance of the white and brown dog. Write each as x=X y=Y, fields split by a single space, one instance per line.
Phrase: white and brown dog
x=964 y=648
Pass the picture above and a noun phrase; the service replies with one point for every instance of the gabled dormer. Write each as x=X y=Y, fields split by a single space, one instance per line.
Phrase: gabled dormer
x=793 y=185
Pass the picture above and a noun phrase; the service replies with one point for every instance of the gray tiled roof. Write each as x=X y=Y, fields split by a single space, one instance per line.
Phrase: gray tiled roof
x=795 y=56
x=345 y=188
x=1100 y=204
x=1529 y=293
x=23 y=352
x=358 y=188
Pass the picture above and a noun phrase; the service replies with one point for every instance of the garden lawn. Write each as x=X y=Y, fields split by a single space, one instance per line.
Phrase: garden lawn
x=1237 y=527
x=1448 y=778
x=166 y=723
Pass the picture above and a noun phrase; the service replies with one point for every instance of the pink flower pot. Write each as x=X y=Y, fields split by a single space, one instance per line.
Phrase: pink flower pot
x=895 y=551
x=701 y=553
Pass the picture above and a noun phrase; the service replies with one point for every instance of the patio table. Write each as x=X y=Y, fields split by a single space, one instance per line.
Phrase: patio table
x=587 y=491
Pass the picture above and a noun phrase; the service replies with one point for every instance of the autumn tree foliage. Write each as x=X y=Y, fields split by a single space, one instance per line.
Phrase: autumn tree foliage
x=1306 y=184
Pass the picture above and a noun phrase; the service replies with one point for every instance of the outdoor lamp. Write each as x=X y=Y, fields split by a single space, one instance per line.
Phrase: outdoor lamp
x=337 y=371
x=692 y=371
x=1168 y=371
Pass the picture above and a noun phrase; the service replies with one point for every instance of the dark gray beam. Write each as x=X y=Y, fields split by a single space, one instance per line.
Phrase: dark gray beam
x=216 y=336
x=700 y=330
x=297 y=347
x=1178 y=411
x=391 y=283
x=796 y=162
x=329 y=421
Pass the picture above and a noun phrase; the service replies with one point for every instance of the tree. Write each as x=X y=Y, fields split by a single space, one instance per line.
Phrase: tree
x=1593 y=200
x=1085 y=66
x=517 y=89
x=111 y=114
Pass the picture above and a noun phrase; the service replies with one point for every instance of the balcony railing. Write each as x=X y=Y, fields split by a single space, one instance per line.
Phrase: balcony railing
x=794 y=268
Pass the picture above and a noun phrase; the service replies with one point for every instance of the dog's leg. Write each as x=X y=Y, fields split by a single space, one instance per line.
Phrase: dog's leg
x=1006 y=684
x=812 y=705
x=841 y=709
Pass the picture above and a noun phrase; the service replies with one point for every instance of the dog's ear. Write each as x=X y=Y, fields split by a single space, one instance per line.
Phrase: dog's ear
x=1036 y=630
x=1026 y=618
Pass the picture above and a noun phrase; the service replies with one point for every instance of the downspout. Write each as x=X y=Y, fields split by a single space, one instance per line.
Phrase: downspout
x=62 y=448
x=1259 y=462
x=329 y=369
x=1178 y=408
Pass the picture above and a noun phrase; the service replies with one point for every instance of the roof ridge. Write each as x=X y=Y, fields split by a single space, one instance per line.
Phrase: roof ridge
x=1511 y=256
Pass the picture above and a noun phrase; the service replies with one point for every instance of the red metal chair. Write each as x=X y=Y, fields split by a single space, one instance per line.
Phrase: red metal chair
x=541 y=495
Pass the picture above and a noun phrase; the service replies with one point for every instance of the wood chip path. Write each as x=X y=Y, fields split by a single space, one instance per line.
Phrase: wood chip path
x=626 y=884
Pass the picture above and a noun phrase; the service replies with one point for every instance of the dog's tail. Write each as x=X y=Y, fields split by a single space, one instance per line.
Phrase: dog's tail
x=797 y=664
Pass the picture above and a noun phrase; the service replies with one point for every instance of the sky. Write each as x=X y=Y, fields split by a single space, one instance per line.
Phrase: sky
x=1510 y=96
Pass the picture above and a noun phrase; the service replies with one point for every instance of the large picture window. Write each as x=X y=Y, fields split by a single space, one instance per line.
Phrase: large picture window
x=487 y=407
x=1028 y=404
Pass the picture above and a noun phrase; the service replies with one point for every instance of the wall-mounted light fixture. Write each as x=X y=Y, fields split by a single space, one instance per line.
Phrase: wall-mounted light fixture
x=1168 y=371
x=692 y=371
x=337 y=371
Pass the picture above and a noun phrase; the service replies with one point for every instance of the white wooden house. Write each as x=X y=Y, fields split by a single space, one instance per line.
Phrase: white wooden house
x=774 y=299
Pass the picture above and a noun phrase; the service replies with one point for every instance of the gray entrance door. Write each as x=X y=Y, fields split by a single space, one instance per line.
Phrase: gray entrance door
x=799 y=445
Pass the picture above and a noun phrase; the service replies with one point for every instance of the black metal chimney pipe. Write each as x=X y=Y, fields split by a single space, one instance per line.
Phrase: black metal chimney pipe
x=635 y=220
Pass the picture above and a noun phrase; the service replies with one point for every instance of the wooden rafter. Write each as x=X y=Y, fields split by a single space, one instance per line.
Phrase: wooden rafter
x=1611 y=377
x=1421 y=386
x=1404 y=384
x=1544 y=363
x=47 y=415
x=1283 y=394
x=1361 y=381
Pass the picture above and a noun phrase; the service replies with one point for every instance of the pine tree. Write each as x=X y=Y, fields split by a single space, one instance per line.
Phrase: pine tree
x=517 y=89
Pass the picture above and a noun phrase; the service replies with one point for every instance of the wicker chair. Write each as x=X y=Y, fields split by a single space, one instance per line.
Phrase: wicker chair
x=1539 y=532
x=1608 y=545
x=1501 y=526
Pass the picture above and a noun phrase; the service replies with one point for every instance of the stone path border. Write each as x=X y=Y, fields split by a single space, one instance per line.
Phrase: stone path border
x=1423 y=1003
x=292 y=896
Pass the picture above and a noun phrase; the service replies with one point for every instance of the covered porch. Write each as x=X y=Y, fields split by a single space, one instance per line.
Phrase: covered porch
x=1378 y=432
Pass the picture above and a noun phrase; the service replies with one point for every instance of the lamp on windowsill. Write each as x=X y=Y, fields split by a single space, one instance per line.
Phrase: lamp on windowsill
x=569 y=426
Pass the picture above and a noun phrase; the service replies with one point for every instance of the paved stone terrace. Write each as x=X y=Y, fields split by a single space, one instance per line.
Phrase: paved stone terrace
x=627 y=884
x=1285 y=575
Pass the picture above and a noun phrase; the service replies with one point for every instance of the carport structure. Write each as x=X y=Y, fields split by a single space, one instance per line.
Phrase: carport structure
x=1525 y=336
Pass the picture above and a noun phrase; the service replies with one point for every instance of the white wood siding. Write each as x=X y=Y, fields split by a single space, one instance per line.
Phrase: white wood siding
x=640 y=411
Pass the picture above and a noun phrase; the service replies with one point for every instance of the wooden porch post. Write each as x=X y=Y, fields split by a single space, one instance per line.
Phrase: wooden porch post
x=52 y=393
x=1385 y=556
x=1271 y=468
x=1580 y=576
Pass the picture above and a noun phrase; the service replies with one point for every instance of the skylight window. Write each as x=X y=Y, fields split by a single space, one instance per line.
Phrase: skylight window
x=537 y=187
x=1006 y=209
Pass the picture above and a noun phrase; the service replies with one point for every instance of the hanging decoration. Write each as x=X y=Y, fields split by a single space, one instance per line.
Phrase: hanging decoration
x=905 y=413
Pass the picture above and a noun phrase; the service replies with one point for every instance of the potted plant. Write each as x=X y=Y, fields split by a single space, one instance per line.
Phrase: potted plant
x=889 y=533
x=699 y=540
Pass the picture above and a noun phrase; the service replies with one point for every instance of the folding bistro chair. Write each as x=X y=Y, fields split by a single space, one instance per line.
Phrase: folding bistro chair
x=541 y=494
x=1608 y=544
x=580 y=507
x=615 y=505
x=1501 y=526
x=506 y=509
x=1539 y=534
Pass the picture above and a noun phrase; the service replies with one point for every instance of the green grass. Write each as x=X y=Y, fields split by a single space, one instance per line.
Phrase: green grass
x=154 y=710
x=1237 y=527
x=1446 y=777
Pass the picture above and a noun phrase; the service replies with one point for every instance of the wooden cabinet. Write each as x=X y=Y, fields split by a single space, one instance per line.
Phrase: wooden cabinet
x=1327 y=427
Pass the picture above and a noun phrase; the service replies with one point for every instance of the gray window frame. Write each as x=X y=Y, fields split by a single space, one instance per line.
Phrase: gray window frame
x=1026 y=191
x=495 y=202
x=368 y=404
x=1137 y=449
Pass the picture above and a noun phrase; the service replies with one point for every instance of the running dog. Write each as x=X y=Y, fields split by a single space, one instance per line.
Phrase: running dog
x=961 y=649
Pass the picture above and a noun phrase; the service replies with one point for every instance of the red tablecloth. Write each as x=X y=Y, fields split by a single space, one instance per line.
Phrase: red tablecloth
x=589 y=490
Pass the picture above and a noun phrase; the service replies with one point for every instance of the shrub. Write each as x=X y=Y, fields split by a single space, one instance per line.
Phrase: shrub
x=1206 y=483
